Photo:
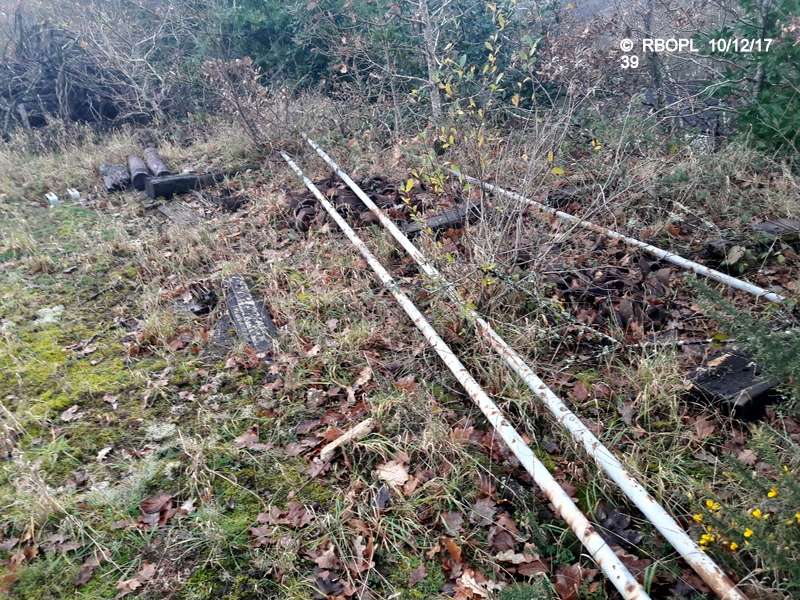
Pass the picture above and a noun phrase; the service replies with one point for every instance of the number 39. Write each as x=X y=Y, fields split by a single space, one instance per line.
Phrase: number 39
x=630 y=62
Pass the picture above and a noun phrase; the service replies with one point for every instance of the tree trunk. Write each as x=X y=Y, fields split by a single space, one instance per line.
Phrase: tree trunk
x=653 y=62
x=429 y=36
x=393 y=89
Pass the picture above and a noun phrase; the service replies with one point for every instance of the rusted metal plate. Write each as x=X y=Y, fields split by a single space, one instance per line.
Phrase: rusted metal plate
x=732 y=377
x=180 y=213
x=250 y=318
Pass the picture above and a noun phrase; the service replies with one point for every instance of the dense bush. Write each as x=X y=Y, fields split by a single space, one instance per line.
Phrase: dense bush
x=769 y=80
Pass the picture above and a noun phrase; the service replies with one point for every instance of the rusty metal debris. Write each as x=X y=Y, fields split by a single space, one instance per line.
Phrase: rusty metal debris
x=180 y=213
x=450 y=218
x=155 y=163
x=170 y=185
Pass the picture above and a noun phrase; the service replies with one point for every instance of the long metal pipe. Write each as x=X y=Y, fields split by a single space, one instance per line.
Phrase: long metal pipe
x=675 y=259
x=708 y=570
x=605 y=557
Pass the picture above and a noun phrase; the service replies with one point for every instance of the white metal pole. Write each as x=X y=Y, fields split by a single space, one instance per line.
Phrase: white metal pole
x=660 y=253
x=708 y=570
x=605 y=557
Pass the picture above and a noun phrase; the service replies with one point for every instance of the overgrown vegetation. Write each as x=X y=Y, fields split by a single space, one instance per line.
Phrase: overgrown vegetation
x=142 y=456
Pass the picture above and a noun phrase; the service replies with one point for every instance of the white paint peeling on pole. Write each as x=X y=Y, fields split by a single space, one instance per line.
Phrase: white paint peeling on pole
x=599 y=550
x=660 y=253
x=710 y=572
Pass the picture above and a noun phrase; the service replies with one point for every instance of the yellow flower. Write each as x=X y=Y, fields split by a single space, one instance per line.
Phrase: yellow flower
x=706 y=539
x=734 y=546
x=698 y=518
x=756 y=512
x=773 y=492
x=712 y=505
x=797 y=516
x=748 y=532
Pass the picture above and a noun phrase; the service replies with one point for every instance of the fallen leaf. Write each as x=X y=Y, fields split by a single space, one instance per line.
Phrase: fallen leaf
x=382 y=497
x=747 y=457
x=8 y=544
x=417 y=575
x=406 y=384
x=569 y=580
x=71 y=414
x=156 y=510
x=453 y=522
x=363 y=377
x=734 y=255
x=703 y=428
x=87 y=570
x=154 y=504
x=580 y=392
x=101 y=456
x=393 y=473
x=453 y=549
x=249 y=440
x=483 y=511
x=327 y=559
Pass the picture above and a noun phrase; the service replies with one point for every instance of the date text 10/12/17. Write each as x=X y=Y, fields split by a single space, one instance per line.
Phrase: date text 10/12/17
x=689 y=45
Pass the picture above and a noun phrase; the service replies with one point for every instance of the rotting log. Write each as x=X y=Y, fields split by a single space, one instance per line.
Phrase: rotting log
x=155 y=163
x=251 y=320
x=139 y=172
x=452 y=217
x=166 y=187
x=115 y=177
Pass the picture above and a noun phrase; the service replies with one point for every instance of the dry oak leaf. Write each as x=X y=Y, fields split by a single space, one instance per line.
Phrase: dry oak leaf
x=393 y=473
x=249 y=440
x=87 y=569
x=71 y=414
x=703 y=428
x=156 y=510
x=483 y=511
x=327 y=559
x=453 y=522
x=145 y=574
x=569 y=580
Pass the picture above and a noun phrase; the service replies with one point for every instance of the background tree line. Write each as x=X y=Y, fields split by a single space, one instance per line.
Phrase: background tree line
x=424 y=61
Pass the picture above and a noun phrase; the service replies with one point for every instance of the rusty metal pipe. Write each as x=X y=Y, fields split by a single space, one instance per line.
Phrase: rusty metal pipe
x=605 y=557
x=710 y=572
